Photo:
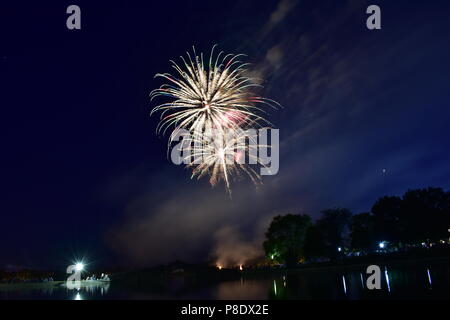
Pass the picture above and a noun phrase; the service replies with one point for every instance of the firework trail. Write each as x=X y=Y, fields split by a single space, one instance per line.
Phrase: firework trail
x=210 y=100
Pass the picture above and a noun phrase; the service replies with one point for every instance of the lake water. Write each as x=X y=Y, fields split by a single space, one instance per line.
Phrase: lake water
x=431 y=282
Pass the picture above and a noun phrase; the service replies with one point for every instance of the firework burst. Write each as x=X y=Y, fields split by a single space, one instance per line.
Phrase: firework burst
x=222 y=156
x=212 y=99
x=218 y=95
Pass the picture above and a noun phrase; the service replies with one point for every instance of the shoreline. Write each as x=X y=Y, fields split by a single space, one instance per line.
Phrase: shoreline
x=227 y=274
x=354 y=266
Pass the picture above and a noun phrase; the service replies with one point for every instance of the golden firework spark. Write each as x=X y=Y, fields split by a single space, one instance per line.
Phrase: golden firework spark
x=209 y=101
x=218 y=95
x=224 y=154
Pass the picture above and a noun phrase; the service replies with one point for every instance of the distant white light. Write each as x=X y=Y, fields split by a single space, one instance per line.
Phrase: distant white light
x=339 y=249
x=382 y=245
x=79 y=266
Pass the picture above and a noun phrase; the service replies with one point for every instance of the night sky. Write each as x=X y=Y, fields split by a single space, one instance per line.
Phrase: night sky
x=365 y=114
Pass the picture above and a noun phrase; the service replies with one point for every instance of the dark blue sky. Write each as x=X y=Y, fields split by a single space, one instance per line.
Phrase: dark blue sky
x=365 y=113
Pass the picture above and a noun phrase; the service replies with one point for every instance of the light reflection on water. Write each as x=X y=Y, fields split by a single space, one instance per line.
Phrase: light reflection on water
x=245 y=290
x=345 y=285
x=414 y=283
x=90 y=290
x=386 y=275
x=275 y=287
x=396 y=284
x=429 y=279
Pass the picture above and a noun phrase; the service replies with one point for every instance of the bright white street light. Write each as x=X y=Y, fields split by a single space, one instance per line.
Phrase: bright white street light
x=79 y=266
x=382 y=245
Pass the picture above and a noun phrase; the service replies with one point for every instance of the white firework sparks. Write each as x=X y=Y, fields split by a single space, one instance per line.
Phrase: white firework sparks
x=216 y=97
x=224 y=155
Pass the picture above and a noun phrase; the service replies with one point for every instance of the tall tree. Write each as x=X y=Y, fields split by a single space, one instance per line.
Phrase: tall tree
x=387 y=214
x=314 y=246
x=426 y=214
x=362 y=231
x=333 y=225
x=285 y=238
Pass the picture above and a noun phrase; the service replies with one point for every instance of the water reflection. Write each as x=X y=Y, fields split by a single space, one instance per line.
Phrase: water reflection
x=245 y=290
x=307 y=284
x=90 y=290
x=345 y=285
x=429 y=279
x=387 y=279
x=408 y=284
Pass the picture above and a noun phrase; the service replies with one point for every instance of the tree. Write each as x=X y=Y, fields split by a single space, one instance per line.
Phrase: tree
x=420 y=215
x=362 y=231
x=426 y=214
x=314 y=246
x=333 y=224
x=387 y=214
x=285 y=238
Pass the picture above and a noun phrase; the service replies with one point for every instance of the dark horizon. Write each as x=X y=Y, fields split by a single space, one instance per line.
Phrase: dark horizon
x=365 y=114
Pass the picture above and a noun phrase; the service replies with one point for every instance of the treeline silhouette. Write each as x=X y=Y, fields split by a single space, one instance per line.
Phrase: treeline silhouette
x=420 y=218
